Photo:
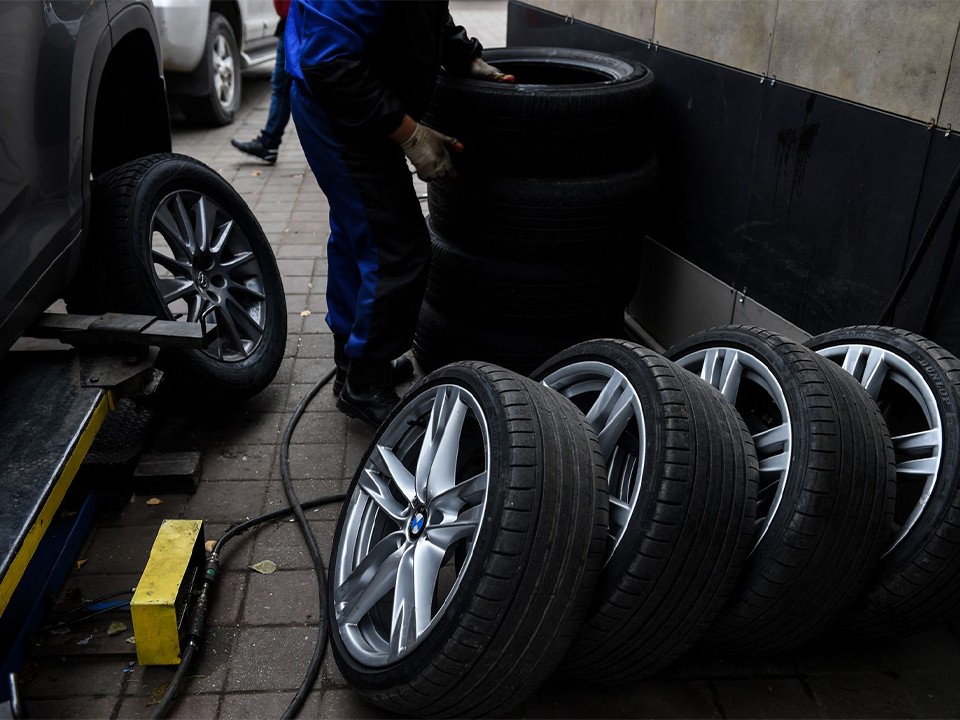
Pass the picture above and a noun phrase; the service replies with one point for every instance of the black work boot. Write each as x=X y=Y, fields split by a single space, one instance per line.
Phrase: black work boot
x=398 y=371
x=256 y=148
x=366 y=394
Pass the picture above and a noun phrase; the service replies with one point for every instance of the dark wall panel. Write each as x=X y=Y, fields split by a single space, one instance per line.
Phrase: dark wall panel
x=810 y=203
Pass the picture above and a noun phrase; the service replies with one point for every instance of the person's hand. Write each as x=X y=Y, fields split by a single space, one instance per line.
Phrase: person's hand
x=429 y=151
x=482 y=71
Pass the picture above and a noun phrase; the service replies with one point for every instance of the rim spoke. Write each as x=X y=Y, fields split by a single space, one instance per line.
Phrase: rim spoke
x=874 y=370
x=446 y=534
x=914 y=443
x=403 y=627
x=730 y=374
x=236 y=261
x=203 y=227
x=398 y=473
x=243 y=319
x=373 y=577
x=378 y=490
x=775 y=463
x=621 y=414
x=226 y=324
x=437 y=464
x=235 y=289
x=173 y=289
x=452 y=501
x=774 y=438
x=709 y=367
x=216 y=247
x=176 y=267
x=920 y=466
x=606 y=401
x=619 y=512
x=427 y=560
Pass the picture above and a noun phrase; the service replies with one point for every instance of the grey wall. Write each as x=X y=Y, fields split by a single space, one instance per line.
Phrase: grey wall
x=894 y=55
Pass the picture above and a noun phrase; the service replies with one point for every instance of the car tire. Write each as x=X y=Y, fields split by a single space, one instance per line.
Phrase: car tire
x=509 y=481
x=826 y=485
x=221 y=60
x=682 y=475
x=600 y=100
x=916 y=384
x=174 y=239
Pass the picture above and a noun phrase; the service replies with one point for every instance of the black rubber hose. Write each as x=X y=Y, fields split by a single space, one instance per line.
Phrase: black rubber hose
x=198 y=613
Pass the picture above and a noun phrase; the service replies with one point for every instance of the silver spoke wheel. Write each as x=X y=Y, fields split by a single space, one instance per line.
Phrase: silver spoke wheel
x=204 y=267
x=910 y=407
x=612 y=407
x=749 y=385
x=224 y=71
x=409 y=528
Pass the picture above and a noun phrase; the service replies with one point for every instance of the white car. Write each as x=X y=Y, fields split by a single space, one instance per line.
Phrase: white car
x=205 y=44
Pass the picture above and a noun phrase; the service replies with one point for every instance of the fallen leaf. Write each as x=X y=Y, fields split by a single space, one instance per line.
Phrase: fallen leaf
x=86 y=640
x=209 y=545
x=265 y=567
x=116 y=627
x=81 y=563
x=154 y=501
x=132 y=640
x=305 y=313
x=256 y=173
x=157 y=694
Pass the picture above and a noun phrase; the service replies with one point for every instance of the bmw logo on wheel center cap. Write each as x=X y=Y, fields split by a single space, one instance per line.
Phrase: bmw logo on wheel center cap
x=416 y=524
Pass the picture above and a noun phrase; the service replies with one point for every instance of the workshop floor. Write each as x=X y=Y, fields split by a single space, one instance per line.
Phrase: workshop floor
x=262 y=631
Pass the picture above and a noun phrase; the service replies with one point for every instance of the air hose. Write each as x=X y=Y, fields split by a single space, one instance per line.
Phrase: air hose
x=198 y=614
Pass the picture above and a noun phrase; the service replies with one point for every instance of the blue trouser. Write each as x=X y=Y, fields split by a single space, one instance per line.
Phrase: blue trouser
x=279 y=114
x=379 y=248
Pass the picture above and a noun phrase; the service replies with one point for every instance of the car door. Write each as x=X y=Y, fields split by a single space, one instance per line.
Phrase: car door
x=259 y=19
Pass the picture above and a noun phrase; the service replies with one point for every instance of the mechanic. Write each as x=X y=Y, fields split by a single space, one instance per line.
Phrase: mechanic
x=364 y=72
x=266 y=145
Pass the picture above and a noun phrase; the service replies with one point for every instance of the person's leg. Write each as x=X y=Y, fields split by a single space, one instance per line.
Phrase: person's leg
x=279 y=113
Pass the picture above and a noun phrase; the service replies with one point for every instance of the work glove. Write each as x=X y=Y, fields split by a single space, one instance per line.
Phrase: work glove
x=482 y=71
x=429 y=151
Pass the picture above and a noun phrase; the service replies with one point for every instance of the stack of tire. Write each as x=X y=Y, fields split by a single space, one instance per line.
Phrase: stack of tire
x=536 y=240
x=611 y=512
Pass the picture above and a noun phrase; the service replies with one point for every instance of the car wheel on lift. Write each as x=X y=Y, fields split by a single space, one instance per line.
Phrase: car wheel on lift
x=175 y=240
x=682 y=476
x=221 y=58
x=826 y=485
x=916 y=385
x=559 y=93
x=469 y=545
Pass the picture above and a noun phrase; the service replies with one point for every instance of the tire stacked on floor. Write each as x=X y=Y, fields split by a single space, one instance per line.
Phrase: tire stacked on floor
x=536 y=241
x=605 y=516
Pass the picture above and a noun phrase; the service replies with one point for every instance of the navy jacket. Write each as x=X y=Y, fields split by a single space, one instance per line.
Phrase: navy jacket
x=367 y=62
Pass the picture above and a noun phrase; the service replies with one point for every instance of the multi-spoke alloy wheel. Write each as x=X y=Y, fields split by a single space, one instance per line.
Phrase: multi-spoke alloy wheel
x=826 y=484
x=469 y=545
x=221 y=67
x=176 y=241
x=682 y=477
x=916 y=385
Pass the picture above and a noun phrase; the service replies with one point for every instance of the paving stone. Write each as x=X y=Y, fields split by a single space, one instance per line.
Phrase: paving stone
x=295 y=268
x=231 y=501
x=656 y=698
x=840 y=655
x=309 y=370
x=228 y=597
x=765 y=698
x=320 y=427
x=935 y=695
x=271 y=399
x=330 y=673
x=324 y=401
x=934 y=651
x=308 y=490
x=862 y=695
x=316 y=345
x=347 y=704
x=282 y=542
x=271 y=658
x=315 y=462
x=718 y=665
x=187 y=706
x=119 y=550
x=285 y=597
x=238 y=552
x=137 y=512
x=75 y=676
x=207 y=675
x=76 y=707
x=237 y=462
x=247 y=428
x=266 y=705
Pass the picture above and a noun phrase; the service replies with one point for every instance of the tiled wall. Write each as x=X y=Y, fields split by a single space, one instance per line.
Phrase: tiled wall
x=894 y=55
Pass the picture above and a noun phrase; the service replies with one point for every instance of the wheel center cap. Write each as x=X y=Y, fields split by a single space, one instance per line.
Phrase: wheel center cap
x=417 y=523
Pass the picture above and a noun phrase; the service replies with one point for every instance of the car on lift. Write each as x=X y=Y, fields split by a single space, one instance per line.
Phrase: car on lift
x=205 y=44
x=94 y=207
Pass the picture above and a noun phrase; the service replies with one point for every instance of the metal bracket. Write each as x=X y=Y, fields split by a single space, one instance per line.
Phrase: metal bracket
x=122 y=329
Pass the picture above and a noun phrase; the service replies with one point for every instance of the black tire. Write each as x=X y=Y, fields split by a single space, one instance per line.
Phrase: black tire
x=570 y=112
x=523 y=581
x=833 y=475
x=918 y=582
x=443 y=338
x=681 y=512
x=537 y=217
x=219 y=105
x=131 y=257
x=510 y=294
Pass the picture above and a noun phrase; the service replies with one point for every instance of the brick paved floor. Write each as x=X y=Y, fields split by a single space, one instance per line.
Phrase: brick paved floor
x=262 y=629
